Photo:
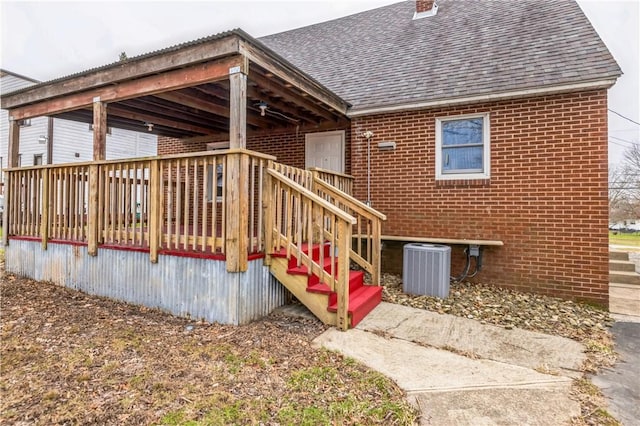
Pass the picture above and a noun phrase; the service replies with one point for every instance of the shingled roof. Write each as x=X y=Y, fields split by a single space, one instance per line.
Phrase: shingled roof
x=383 y=57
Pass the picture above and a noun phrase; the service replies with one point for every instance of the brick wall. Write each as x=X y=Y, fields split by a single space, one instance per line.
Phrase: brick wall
x=287 y=146
x=546 y=198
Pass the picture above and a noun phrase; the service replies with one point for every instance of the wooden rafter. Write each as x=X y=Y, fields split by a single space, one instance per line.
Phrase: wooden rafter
x=171 y=80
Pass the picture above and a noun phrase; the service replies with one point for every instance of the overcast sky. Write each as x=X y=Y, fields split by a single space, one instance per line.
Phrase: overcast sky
x=46 y=40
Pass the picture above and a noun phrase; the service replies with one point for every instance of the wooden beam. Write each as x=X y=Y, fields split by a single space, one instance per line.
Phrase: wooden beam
x=131 y=69
x=290 y=95
x=189 y=100
x=155 y=119
x=175 y=111
x=50 y=140
x=14 y=142
x=99 y=130
x=168 y=81
x=256 y=95
x=292 y=75
x=238 y=110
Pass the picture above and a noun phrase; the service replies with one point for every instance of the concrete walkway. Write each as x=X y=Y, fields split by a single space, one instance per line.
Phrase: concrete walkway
x=620 y=384
x=460 y=372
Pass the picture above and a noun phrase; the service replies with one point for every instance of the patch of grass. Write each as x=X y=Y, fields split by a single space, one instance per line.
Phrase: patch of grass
x=625 y=239
x=592 y=404
x=122 y=364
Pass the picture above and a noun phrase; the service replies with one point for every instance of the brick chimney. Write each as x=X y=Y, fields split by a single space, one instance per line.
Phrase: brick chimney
x=424 y=5
x=425 y=8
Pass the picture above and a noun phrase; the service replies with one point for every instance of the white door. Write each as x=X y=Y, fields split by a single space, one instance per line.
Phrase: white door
x=325 y=150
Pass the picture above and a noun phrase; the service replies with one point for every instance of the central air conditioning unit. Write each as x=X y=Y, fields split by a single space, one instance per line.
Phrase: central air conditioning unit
x=426 y=269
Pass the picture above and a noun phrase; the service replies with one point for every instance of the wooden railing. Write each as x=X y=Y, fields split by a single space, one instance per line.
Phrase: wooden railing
x=206 y=202
x=300 y=220
x=367 y=230
x=338 y=180
x=302 y=177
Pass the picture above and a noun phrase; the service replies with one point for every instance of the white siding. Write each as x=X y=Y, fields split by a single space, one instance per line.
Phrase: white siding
x=69 y=137
x=9 y=83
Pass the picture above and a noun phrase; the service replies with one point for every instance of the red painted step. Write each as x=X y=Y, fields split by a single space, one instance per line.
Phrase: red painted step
x=356 y=280
x=361 y=302
x=362 y=298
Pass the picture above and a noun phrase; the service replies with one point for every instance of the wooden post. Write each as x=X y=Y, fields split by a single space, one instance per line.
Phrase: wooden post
x=344 y=243
x=14 y=143
x=376 y=251
x=99 y=129
x=237 y=108
x=46 y=202
x=50 y=140
x=92 y=220
x=7 y=206
x=268 y=213
x=237 y=205
x=155 y=210
x=12 y=161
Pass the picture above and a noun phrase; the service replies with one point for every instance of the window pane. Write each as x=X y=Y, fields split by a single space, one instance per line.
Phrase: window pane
x=462 y=132
x=462 y=159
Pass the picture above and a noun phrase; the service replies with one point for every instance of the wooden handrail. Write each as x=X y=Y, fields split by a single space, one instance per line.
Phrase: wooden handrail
x=367 y=248
x=331 y=172
x=296 y=216
x=151 y=158
x=317 y=199
x=338 y=180
x=354 y=203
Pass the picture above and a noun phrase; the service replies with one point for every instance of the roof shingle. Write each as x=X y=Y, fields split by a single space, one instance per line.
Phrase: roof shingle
x=383 y=57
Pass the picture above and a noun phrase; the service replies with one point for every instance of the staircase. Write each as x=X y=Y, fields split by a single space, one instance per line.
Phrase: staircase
x=624 y=285
x=316 y=295
x=310 y=244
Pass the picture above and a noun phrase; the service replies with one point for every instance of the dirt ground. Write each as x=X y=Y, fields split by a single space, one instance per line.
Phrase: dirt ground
x=70 y=358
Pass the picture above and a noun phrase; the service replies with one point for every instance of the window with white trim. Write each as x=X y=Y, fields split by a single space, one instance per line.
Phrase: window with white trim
x=463 y=147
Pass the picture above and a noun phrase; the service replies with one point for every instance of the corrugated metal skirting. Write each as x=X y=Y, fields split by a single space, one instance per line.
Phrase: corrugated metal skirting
x=183 y=286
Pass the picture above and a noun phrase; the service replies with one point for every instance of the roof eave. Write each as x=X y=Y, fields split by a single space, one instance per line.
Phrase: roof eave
x=218 y=46
x=604 y=83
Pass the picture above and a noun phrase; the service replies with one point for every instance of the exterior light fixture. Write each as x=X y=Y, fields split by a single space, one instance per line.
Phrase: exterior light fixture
x=42 y=139
x=263 y=108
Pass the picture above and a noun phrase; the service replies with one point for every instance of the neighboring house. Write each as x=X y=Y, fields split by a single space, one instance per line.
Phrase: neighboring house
x=473 y=123
x=73 y=140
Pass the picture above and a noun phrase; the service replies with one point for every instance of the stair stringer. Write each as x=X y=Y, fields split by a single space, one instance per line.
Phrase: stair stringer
x=297 y=285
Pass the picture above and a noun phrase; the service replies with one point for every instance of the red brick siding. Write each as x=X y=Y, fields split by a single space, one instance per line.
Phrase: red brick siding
x=546 y=198
x=287 y=146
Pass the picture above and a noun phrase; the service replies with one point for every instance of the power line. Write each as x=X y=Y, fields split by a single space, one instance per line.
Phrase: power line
x=622 y=140
x=619 y=144
x=626 y=118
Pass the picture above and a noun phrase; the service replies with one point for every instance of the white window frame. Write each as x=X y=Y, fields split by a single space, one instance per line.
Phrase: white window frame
x=486 y=148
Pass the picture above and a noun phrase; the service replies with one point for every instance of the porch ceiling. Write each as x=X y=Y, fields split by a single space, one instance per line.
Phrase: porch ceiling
x=160 y=89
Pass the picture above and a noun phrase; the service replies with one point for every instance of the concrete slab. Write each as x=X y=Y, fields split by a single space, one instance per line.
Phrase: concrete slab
x=515 y=346
x=496 y=407
x=421 y=369
x=621 y=383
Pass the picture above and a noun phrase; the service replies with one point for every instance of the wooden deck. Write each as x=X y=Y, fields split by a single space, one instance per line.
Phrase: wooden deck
x=228 y=204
